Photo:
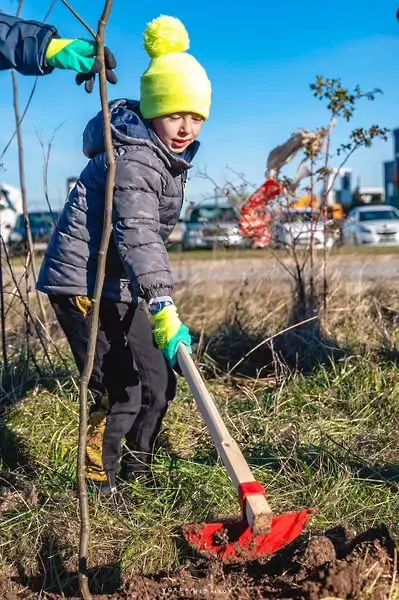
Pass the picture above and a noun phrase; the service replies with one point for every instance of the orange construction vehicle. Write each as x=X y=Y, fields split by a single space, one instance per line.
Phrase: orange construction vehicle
x=257 y=212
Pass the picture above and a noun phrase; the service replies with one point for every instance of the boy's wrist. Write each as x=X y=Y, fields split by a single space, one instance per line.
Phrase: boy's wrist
x=155 y=305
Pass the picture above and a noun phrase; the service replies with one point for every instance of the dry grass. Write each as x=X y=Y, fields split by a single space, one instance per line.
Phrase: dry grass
x=231 y=319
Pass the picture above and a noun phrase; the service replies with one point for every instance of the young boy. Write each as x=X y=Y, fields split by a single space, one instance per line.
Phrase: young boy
x=154 y=144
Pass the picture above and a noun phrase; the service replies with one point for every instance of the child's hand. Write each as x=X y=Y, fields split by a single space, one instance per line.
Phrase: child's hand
x=80 y=55
x=169 y=332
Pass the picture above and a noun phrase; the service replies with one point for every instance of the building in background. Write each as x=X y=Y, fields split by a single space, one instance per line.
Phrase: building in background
x=341 y=192
x=391 y=173
x=396 y=167
x=389 y=181
x=10 y=209
x=70 y=182
x=368 y=195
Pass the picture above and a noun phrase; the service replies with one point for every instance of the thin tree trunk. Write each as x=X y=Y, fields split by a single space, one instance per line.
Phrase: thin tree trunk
x=22 y=183
x=3 y=314
x=84 y=382
x=324 y=199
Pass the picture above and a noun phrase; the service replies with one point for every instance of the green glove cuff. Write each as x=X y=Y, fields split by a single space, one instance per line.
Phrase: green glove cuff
x=167 y=324
x=76 y=55
x=169 y=332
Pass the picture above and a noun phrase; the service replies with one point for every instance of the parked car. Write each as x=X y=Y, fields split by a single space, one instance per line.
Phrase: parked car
x=10 y=208
x=210 y=225
x=175 y=239
x=299 y=228
x=373 y=225
x=41 y=223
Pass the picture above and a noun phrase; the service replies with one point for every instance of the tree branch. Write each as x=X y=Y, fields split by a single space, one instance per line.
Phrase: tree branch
x=29 y=314
x=20 y=7
x=32 y=93
x=269 y=339
x=79 y=18
x=46 y=160
x=6 y=147
x=3 y=316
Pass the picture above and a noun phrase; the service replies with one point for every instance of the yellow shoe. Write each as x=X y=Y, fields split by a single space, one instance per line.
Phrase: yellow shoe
x=94 y=446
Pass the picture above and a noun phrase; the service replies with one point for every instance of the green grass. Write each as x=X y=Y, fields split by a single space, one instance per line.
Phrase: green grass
x=326 y=440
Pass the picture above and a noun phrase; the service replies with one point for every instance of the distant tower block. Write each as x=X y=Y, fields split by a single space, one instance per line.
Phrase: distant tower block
x=346 y=186
x=339 y=186
x=70 y=182
x=396 y=168
x=389 y=182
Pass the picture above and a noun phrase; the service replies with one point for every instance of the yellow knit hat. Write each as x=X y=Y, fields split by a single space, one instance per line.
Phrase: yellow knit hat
x=175 y=81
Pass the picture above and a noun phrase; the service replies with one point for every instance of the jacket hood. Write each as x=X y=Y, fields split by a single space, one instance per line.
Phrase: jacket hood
x=129 y=127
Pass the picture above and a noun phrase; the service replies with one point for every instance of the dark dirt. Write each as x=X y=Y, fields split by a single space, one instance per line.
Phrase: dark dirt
x=335 y=565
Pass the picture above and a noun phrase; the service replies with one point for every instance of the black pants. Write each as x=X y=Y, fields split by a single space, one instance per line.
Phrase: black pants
x=129 y=370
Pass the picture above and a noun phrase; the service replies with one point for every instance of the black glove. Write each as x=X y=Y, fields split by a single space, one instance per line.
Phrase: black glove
x=89 y=78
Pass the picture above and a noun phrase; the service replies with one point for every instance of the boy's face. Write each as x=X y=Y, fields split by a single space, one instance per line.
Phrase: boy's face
x=179 y=130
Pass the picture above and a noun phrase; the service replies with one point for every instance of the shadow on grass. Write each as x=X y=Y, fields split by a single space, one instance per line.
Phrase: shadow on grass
x=13 y=454
x=389 y=355
x=227 y=347
x=23 y=376
x=303 y=349
x=301 y=346
x=52 y=575
x=16 y=383
x=387 y=475
x=294 y=457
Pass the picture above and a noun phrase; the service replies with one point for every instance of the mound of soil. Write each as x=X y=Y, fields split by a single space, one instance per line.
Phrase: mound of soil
x=337 y=565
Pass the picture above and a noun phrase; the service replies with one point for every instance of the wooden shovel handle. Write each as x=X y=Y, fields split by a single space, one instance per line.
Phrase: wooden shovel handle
x=258 y=511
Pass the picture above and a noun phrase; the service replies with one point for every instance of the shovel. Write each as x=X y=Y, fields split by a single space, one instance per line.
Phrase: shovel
x=258 y=533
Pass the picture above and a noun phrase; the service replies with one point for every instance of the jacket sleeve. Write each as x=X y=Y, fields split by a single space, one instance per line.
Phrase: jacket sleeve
x=136 y=223
x=23 y=45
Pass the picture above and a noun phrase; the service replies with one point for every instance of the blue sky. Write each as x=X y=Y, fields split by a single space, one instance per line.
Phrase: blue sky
x=260 y=56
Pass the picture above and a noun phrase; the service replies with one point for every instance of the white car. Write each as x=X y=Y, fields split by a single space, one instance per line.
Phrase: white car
x=372 y=226
x=210 y=225
x=300 y=228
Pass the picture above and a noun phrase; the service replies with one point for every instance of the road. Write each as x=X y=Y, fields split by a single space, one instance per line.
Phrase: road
x=348 y=267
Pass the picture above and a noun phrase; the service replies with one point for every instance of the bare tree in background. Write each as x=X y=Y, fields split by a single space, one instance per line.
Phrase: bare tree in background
x=302 y=260
x=22 y=182
x=26 y=353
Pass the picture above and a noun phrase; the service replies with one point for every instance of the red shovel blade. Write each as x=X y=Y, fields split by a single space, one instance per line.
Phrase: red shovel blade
x=234 y=541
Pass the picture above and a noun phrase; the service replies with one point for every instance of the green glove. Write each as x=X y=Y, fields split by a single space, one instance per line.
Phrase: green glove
x=80 y=55
x=169 y=332
x=76 y=55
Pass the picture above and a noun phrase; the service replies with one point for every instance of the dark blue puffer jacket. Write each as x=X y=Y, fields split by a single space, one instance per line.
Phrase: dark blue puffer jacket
x=23 y=45
x=148 y=196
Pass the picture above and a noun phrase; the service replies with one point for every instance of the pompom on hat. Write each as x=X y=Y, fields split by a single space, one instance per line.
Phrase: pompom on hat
x=174 y=81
